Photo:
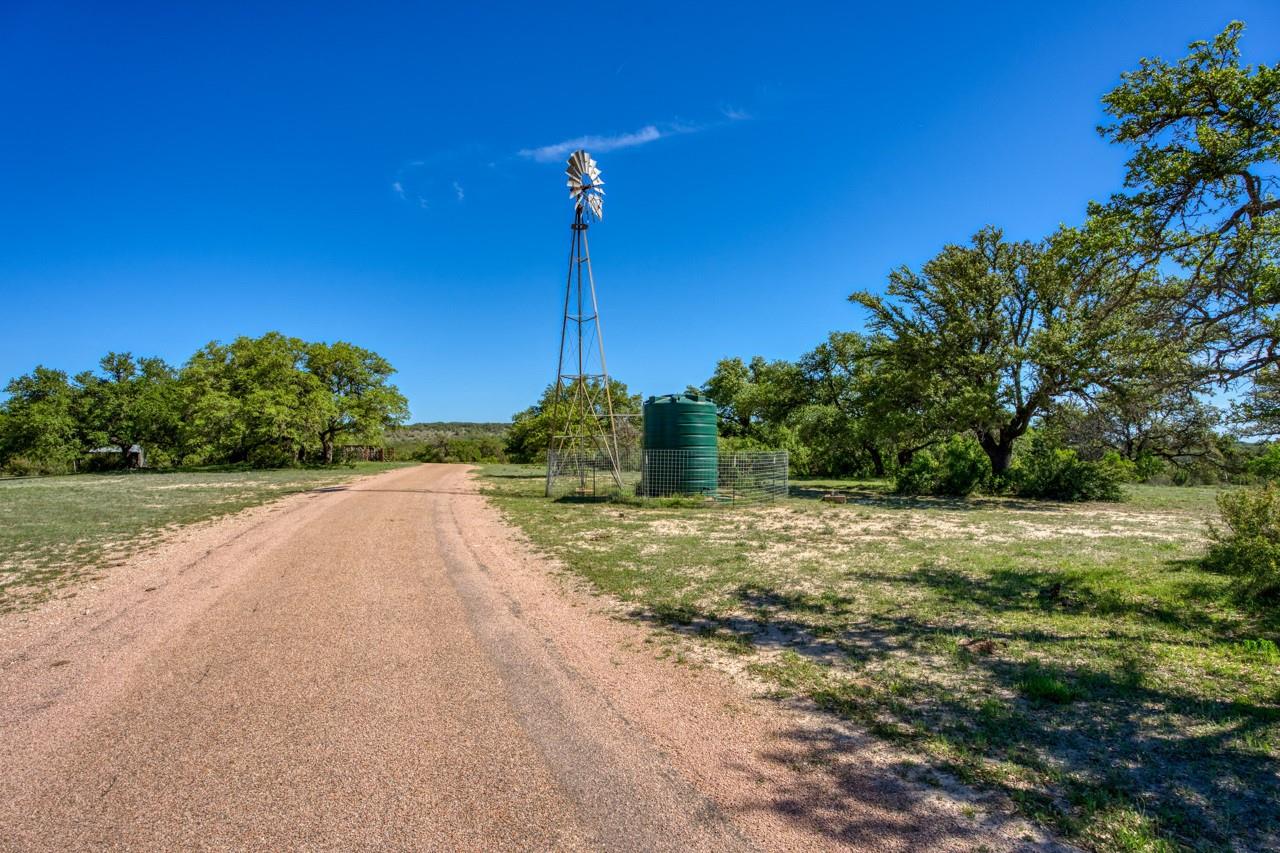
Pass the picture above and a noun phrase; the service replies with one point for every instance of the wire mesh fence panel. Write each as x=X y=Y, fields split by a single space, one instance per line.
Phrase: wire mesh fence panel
x=590 y=474
x=753 y=477
x=749 y=477
x=669 y=473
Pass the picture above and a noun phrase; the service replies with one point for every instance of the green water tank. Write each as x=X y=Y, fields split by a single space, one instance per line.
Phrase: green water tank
x=686 y=423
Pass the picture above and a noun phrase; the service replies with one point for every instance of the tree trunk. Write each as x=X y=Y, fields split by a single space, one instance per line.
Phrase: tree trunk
x=905 y=456
x=999 y=449
x=326 y=441
x=877 y=459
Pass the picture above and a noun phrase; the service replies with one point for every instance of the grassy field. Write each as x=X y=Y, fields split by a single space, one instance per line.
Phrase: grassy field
x=1073 y=656
x=57 y=530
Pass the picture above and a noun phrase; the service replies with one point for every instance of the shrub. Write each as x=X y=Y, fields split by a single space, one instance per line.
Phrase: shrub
x=956 y=469
x=1247 y=546
x=1147 y=467
x=962 y=467
x=1125 y=469
x=25 y=466
x=919 y=476
x=1057 y=473
x=1266 y=465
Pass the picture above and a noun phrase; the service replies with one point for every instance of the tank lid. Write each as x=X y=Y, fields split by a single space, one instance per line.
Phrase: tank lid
x=684 y=395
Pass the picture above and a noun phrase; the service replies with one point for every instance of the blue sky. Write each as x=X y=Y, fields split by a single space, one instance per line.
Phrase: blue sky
x=390 y=174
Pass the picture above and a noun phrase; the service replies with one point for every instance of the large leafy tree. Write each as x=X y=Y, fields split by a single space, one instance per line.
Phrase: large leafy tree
x=1257 y=413
x=840 y=409
x=833 y=423
x=1146 y=419
x=361 y=401
x=886 y=409
x=530 y=432
x=38 y=422
x=753 y=396
x=252 y=401
x=270 y=400
x=1200 y=194
x=131 y=401
x=998 y=331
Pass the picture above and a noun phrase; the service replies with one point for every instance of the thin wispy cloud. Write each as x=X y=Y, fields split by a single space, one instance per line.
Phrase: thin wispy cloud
x=435 y=182
x=598 y=144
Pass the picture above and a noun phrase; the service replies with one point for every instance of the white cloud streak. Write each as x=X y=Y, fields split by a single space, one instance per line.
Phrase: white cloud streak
x=597 y=144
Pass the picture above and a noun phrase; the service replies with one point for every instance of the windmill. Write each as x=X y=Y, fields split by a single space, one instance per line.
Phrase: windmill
x=583 y=437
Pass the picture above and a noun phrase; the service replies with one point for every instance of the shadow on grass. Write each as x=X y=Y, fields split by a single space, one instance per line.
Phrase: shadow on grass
x=1020 y=590
x=1096 y=737
x=884 y=499
x=862 y=805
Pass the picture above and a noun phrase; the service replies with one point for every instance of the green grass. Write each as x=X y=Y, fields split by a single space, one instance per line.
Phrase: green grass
x=1073 y=656
x=55 y=531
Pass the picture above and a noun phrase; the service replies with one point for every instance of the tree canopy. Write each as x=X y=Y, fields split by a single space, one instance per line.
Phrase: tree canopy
x=530 y=433
x=1200 y=192
x=272 y=400
x=1004 y=330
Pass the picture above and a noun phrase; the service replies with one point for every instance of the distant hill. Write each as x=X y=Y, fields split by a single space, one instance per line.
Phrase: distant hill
x=449 y=441
x=444 y=429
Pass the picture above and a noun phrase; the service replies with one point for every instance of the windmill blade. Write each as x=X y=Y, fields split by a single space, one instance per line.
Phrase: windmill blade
x=586 y=187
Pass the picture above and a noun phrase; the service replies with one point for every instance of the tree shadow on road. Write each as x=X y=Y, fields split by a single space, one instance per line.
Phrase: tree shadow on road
x=856 y=793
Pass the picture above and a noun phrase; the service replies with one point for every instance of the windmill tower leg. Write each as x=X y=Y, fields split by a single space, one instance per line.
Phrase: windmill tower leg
x=582 y=426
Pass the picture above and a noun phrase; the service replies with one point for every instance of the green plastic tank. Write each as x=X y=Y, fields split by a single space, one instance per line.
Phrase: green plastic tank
x=685 y=422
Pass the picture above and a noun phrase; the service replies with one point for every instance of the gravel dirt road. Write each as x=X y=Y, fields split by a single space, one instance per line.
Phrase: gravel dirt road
x=385 y=665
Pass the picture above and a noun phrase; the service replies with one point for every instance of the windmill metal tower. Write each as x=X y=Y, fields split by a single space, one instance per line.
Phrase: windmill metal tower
x=583 y=437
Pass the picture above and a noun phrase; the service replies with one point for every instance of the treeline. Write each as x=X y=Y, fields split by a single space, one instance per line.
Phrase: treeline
x=1058 y=367
x=529 y=435
x=267 y=401
x=452 y=441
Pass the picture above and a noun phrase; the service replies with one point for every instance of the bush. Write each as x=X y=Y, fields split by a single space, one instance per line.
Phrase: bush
x=962 y=467
x=1148 y=467
x=919 y=476
x=1125 y=469
x=25 y=466
x=1057 y=473
x=1266 y=465
x=1247 y=546
x=958 y=468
